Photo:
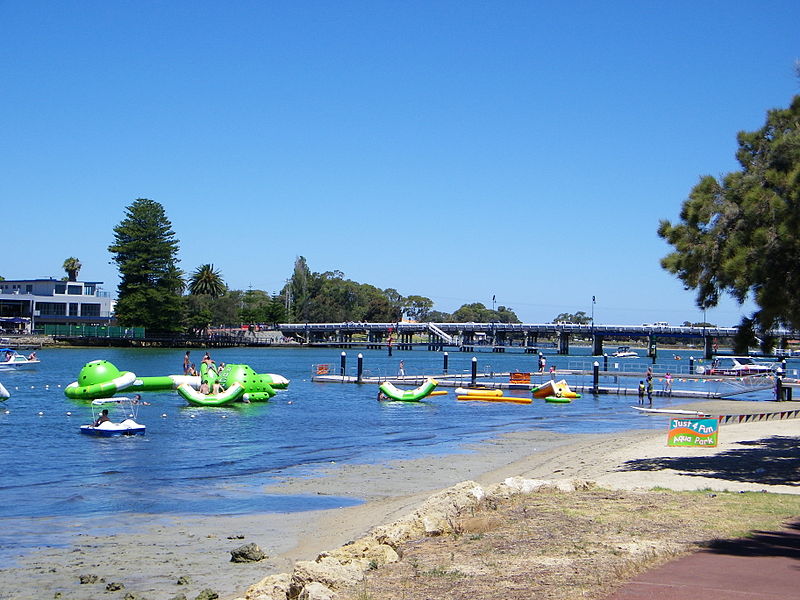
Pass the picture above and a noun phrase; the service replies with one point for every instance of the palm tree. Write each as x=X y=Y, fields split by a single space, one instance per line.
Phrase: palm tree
x=207 y=280
x=72 y=266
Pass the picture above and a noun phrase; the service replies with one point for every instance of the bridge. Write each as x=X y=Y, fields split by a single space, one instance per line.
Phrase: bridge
x=529 y=336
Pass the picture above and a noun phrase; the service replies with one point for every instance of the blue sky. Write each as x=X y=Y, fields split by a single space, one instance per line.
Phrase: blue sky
x=456 y=150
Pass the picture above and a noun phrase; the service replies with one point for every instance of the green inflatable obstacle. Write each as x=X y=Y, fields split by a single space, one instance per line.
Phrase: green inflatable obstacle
x=415 y=395
x=192 y=396
x=99 y=379
x=257 y=388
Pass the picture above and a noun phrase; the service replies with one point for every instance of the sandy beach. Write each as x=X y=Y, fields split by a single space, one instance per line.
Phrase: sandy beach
x=149 y=556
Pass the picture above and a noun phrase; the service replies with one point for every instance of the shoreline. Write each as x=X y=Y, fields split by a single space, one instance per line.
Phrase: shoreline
x=153 y=552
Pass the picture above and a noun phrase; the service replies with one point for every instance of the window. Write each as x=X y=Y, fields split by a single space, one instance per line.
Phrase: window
x=73 y=309
x=61 y=288
x=28 y=288
x=90 y=310
x=52 y=309
x=89 y=289
x=74 y=290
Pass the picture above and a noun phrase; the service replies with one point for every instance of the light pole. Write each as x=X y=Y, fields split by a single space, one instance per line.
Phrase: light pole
x=593 y=300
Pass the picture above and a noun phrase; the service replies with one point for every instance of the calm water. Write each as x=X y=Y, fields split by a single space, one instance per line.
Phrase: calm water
x=215 y=460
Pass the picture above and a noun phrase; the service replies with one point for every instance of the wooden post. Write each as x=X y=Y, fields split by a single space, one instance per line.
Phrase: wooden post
x=446 y=358
x=474 y=369
x=342 y=363
x=596 y=375
x=360 y=368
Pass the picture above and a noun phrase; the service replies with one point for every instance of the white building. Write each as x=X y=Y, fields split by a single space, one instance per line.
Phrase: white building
x=29 y=303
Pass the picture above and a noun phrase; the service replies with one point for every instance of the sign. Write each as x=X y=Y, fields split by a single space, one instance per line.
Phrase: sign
x=692 y=432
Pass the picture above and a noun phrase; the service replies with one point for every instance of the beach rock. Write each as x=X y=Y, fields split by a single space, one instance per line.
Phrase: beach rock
x=572 y=485
x=207 y=594
x=520 y=485
x=179 y=597
x=183 y=580
x=325 y=570
x=247 y=553
x=273 y=587
x=437 y=515
x=316 y=591
x=115 y=586
x=364 y=553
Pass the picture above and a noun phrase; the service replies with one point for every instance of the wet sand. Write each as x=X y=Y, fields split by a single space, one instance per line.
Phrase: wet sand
x=150 y=555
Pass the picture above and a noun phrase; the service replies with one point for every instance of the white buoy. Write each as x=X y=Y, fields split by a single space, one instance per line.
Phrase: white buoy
x=224 y=416
x=192 y=416
x=69 y=414
x=164 y=415
x=8 y=412
x=40 y=413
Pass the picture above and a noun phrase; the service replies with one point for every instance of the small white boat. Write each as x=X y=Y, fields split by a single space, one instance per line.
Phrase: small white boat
x=625 y=352
x=736 y=366
x=11 y=360
x=127 y=409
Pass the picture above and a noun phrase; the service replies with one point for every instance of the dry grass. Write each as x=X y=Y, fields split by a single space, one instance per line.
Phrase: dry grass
x=556 y=546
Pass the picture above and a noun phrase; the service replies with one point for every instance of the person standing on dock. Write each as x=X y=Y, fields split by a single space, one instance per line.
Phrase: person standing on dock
x=401 y=371
x=542 y=362
x=641 y=392
x=650 y=390
x=668 y=383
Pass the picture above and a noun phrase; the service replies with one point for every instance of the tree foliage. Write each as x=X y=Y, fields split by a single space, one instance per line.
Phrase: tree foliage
x=145 y=251
x=478 y=313
x=207 y=280
x=740 y=234
x=332 y=298
x=579 y=318
x=72 y=266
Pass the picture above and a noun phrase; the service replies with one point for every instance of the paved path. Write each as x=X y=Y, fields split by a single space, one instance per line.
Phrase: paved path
x=764 y=567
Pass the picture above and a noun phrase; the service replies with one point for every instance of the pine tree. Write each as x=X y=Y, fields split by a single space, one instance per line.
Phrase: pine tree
x=145 y=251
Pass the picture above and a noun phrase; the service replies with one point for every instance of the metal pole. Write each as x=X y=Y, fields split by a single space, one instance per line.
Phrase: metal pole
x=446 y=358
x=343 y=364
x=360 y=368
x=596 y=375
x=474 y=369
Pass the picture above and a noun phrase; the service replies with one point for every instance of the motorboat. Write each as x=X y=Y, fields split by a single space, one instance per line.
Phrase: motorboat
x=737 y=366
x=126 y=409
x=625 y=352
x=11 y=360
